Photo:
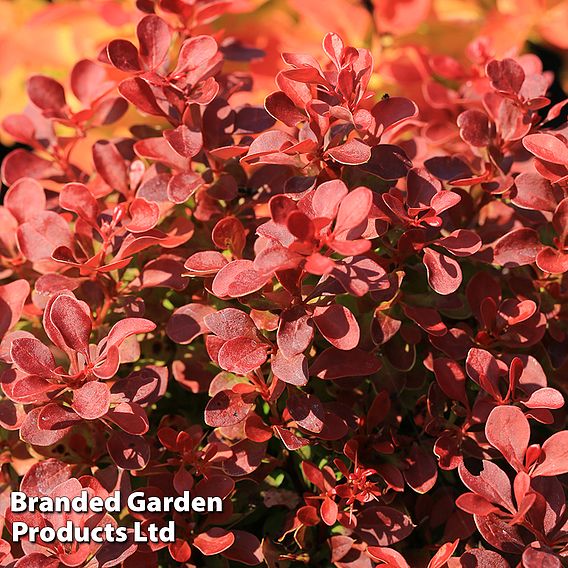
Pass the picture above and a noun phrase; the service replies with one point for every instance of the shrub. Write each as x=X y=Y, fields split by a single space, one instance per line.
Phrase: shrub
x=342 y=313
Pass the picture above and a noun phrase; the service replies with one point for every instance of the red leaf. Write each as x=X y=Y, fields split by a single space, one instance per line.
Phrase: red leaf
x=461 y=242
x=291 y=441
x=334 y=363
x=32 y=434
x=282 y=108
x=92 y=400
x=32 y=356
x=138 y=92
x=445 y=552
x=144 y=215
x=180 y=550
x=506 y=75
x=214 y=541
x=391 y=112
x=534 y=192
x=241 y=355
x=383 y=526
x=328 y=511
x=353 y=210
x=46 y=93
x=427 y=318
x=110 y=165
x=185 y=142
x=545 y=398
x=517 y=248
x=188 y=322
x=307 y=411
x=22 y=163
x=195 y=52
x=123 y=55
x=229 y=233
x=227 y=408
x=352 y=153
x=555 y=450
x=552 y=260
x=421 y=471
x=474 y=127
x=475 y=505
x=128 y=451
x=154 y=38
x=205 y=263
x=126 y=328
x=44 y=476
x=12 y=299
x=292 y=370
x=444 y=273
x=182 y=186
x=40 y=236
x=492 y=484
x=338 y=325
x=76 y=197
x=230 y=323
x=73 y=326
x=547 y=147
x=130 y=417
x=388 y=557
x=451 y=379
x=295 y=331
x=246 y=549
x=508 y=430
x=25 y=199
x=238 y=278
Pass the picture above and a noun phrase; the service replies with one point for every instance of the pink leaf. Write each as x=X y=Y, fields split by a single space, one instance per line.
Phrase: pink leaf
x=545 y=398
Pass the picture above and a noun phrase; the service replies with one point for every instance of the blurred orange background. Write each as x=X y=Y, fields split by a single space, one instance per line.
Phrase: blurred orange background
x=49 y=37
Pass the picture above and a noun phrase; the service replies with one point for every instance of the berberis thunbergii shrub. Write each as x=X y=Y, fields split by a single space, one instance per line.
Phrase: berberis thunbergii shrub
x=344 y=313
